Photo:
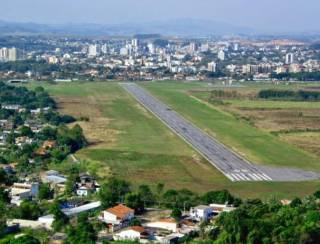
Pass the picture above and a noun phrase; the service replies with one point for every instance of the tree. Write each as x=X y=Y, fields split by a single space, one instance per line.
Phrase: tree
x=25 y=239
x=133 y=200
x=83 y=233
x=146 y=195
x=45 y=192
x=220 y=197
x=3 y=176
x=26 y=131
x=4 y=195
x=60 y=219
x=28 y=210
x=159 y=189
x=296 y=202
x=113 y=191
x=176 y=214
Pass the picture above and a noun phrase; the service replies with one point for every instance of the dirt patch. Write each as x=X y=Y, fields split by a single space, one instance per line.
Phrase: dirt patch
x=96 y=130
x=309 y=141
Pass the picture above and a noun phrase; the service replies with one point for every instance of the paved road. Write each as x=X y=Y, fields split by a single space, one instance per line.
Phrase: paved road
x=228 y=162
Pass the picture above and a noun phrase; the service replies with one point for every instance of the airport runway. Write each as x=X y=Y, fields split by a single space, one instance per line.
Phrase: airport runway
x=225 y=160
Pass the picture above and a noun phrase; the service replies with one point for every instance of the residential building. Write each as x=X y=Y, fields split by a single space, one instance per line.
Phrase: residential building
x=221 y=55
x=93 y=51
x=166 y=224
x=23 y=191
x=133 y=233
x=290 y=58
x=118 y=216
x=201 y=213
x=212 y=66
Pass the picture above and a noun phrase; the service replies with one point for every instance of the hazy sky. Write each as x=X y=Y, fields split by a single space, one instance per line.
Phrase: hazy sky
x=296 y=15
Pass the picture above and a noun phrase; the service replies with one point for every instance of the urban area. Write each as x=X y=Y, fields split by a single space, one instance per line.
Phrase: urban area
x=152 y=57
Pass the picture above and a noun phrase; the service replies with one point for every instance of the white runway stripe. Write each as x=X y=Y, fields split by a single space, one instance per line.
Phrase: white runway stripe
x=244 y=176
x=259 y=176
x=241 y=177
x=236 y=177
x=230 y=177
x=253 y=177
x=263 y=177
x=267 y=176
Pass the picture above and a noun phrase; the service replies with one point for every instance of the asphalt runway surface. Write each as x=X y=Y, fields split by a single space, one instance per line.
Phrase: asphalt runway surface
x=224 y=159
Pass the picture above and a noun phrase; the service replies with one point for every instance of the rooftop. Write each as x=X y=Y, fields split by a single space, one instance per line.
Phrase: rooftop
x=120 y=211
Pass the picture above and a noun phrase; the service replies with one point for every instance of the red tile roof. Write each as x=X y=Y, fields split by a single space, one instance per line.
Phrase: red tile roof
x=120 y=211
x=138 y=229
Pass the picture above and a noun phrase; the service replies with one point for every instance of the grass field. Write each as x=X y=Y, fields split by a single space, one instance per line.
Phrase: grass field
x=297 y=122
x=127 y=141
x=256 y=145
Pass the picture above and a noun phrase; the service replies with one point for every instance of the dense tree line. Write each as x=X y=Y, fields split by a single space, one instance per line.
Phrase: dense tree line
x=302 y=76
x=38 y=98
x=300 y=95
x=258 y=222
x=115 y=191
x=40 y=67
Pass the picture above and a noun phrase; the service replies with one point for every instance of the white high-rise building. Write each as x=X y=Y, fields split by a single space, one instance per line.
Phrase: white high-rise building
x=204 y=47
x=4 y=54
x=192 y=47
x=135 y=43
x=235 y=47
x=221 y=55
x=12 y=54
x=124 y=51
x=104 y=49
x=93 y=50
x=289 y=58
x=212 y=66
x=151 y=48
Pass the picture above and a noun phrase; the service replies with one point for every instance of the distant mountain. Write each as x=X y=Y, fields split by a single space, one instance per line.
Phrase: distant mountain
x=181 y=27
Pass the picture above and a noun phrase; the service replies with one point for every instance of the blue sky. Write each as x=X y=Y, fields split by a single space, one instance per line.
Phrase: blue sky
x=277 y=15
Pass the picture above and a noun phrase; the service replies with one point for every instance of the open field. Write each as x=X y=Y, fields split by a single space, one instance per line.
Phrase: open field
x=254 y=144
x=132 y=144
x=301 y=119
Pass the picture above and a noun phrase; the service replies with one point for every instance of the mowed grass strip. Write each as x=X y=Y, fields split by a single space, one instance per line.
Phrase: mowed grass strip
x=257 y=146
x=133 y=154
x=143 y=150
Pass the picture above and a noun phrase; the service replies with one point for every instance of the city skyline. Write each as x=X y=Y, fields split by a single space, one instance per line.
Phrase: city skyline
x=265 y=16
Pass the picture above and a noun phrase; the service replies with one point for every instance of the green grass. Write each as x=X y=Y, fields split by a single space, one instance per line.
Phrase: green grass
x=258 y=146
x=144 y=151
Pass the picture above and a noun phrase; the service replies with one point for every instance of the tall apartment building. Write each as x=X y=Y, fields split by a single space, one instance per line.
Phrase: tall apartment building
x=93 y=50
x=212 y=66
x=290 y=58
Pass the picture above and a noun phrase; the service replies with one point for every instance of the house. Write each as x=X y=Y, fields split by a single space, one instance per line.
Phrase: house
x=22 y=140
x=133 y=233
x=23 y=191
x=118 y=216
x=219 y=208
x=285 y=201
x=35 y=125
x=166 y=224
x=11 y=107
x=172 y=238
x=201 y=213
x=23 y=223
x=58 y=238
x=49 y=144
x=3 y=139
x=81 y=209
x=54 y=177
x=86 y=185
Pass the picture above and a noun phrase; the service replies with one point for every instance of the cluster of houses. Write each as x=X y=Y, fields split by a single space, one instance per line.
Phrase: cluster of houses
x=117 y=219
x=159 y=230
x=7 y=125
x=28 y=190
